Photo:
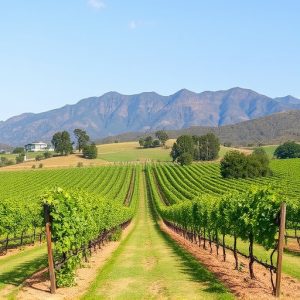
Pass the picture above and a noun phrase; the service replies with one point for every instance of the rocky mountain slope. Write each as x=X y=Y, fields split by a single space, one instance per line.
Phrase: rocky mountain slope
x=114 y=113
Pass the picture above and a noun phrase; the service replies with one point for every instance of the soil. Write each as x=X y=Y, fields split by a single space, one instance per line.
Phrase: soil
x=238 y=282
x=37 y=286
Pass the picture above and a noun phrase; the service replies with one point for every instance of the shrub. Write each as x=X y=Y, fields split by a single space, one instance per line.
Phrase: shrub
x=80 y=164
x=33 y=167
x=41 y=165
x=20 y=158
x=287 y=150
x=47 y=154
x=39 y=157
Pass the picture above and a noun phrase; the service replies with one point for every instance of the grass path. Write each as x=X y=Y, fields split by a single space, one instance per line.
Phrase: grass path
x=16 y=268
x=149 y=265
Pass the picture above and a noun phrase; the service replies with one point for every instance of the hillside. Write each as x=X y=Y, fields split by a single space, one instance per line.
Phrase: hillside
x=272 y=129
x=114 y=113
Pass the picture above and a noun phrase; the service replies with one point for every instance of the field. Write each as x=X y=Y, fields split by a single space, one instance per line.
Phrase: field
x=131 y=151
x=147 y=261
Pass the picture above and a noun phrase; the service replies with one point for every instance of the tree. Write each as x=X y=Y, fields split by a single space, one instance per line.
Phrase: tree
x=156 y=143
x=288 y=150
x=90 y=151
x=207 y=147
x=18 y=150
x=148 y=142
x=162 y=136
x=141 y=142
x=82 y=138
x=184 y=144
x=238 y=165
x=62 y=143
x=185 y=159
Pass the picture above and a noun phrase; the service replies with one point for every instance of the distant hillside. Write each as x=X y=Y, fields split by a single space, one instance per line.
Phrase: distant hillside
x=114 y=113
x=5 y=147
x=273 y=129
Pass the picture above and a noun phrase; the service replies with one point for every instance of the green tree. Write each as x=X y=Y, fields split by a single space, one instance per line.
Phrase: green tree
x=155 y=143
x=20 y=158
x=82 y=138
x=184 y=144
x=148 y=142
x=90 y=151
x=141 y=142
x=185 y=159
x=288 y=150
x=207 y=147
x=62 y=143
x=162 y=136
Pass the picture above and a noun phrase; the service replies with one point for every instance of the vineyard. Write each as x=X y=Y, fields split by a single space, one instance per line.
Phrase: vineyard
x=199 y=204
x=85 y=207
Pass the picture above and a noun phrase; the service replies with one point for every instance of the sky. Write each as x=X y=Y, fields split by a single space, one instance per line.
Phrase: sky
x=56 y=52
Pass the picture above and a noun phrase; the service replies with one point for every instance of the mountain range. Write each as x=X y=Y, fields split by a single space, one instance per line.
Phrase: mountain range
x=274 y=129
x=114 y=113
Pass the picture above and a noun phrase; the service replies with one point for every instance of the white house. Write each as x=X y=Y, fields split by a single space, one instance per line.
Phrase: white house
x=38 y=146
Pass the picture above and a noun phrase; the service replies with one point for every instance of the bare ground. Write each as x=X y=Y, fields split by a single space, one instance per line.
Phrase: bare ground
x=37 y=286
x=239 y=282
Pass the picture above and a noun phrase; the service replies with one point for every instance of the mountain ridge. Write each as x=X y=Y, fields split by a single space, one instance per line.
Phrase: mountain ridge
x=114 y=113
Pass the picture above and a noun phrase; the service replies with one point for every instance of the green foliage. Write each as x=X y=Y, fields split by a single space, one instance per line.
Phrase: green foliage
x=238 y=165
x=162 y=136
x=47 y=154
x=39 y=157
x=20 y=158
x=62 y=143
x=287 y=150
x=77 y=218
x=204 y=147
x=184 y=144
x=185 y=159
x=18 y=150
x=90 y=151
x=149 y=142
x=82 y=138
x=4 y=161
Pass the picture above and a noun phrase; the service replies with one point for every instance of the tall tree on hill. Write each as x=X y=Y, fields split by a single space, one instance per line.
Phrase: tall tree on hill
x=162 y=136
x=61 y=142
x=82 y=138
x=207 y=147
x=184 y=144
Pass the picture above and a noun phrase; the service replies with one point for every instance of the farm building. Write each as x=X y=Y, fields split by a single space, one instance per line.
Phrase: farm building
x=38 y=146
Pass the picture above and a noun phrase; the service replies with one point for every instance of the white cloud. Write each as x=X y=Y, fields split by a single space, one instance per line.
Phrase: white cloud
x=133 y=25
x=96 y=4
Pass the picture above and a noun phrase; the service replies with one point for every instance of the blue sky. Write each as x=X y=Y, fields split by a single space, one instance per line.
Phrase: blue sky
x=57 y=52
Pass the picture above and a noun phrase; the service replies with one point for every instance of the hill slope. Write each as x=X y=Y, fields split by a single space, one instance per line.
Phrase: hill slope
x=272 y=129
x=114 y=113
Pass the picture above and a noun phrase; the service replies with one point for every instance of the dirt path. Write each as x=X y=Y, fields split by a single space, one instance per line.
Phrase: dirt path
x=149 y=265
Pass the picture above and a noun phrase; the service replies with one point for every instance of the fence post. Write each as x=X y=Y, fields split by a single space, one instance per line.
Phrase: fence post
x=280 y=247
x=49 y=248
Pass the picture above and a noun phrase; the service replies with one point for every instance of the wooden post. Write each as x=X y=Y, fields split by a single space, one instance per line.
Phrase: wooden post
x=49 y=248
x=280 y=248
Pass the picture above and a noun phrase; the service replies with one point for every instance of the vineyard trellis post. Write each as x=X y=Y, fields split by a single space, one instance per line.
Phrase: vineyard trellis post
x=49 y=249
x=280 y=247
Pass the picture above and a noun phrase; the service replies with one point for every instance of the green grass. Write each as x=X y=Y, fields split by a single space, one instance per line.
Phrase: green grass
x=149 y=265
x=16 y=268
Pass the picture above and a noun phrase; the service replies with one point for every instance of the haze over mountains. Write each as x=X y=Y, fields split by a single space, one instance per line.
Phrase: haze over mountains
x=114 y=113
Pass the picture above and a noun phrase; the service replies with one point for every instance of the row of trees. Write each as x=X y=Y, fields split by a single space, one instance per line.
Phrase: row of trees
x=149 y=142
x=236 y=164
x=188 y=148
x=62 y=143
